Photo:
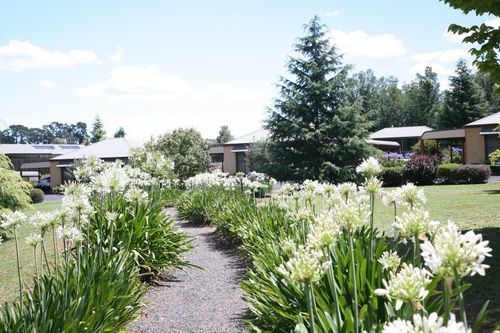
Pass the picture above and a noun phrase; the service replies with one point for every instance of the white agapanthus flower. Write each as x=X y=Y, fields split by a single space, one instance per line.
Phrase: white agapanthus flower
x=408 y=285
x=413 y=223
x=33 y=239
x=422 y=324
x=369 y=167
x=452 y=253
x=353 y=214
x=113 y=179
x=390 y=261
x=346 y=190
x=11 y=219
x=393 y=197
x=324 y=232
x=305 y=266
x=412 y=195
x=69 y=233
x=371 y=186
x=136 y=195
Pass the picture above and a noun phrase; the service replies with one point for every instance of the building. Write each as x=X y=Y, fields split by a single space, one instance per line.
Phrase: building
x=31 y=158
x=405 y=136
x=478 y=138
x=235 y=151
x=108 y=150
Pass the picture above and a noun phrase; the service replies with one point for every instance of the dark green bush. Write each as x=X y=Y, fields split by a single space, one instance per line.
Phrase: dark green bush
x=495 y=169
x=446 y=172
x=393 y=176
x=36 y=195
x=464 y=174
x=421 y=169
x=472 y=174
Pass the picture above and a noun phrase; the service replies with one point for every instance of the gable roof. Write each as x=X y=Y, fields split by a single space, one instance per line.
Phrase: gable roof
x=38 y=149
x=252 y=137
x=109 y=148
x=492 y=119
x=400 y=132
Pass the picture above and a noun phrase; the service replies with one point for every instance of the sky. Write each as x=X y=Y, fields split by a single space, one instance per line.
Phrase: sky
x=153 y=66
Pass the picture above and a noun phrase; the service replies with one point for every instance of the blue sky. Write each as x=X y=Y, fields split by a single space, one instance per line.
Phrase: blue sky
x=153 y=66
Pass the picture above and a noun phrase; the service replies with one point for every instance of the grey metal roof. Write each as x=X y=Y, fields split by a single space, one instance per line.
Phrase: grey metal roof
x=382 y=143
x=38 y=149
x=253 y=137
x=400 y=132
x=493 y=119
x=216 y=150
x=448 y=134
x=109 y=148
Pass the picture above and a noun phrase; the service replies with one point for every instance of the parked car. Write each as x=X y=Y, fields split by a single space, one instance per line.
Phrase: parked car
x=44 y=183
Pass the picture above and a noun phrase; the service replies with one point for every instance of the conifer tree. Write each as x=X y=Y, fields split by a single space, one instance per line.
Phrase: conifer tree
x=98 y=133
x=315 y=132
x=464 y=102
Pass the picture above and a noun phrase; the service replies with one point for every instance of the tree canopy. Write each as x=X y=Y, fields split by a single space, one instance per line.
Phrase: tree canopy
x=55 y=132
x=186 y=148
x=98 y=133
x=487 y=36
x=224 y=135
x=120 y=133
x=316 y=132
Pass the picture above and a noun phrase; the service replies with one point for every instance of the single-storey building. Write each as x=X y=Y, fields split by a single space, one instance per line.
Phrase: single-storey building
x=235 y=151
x=478 y=138
x=31 y=158
x=108 y=150
x=406 y=136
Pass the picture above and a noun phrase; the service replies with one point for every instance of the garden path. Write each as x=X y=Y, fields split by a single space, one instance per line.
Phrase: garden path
x=197 y=300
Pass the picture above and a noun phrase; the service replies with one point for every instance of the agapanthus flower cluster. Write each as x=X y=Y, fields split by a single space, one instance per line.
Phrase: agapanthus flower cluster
x=44 y=220
x=412 y=195
x=33 y=239
x=393 y=197
x=452 y=254
x=425 y=324
x=408 y=285
x=136 y=195
x=413 y=223
x=371 y=186
x=369 y=167
x=11 y=219
x=306 y=265
x=352 y=214
x=69 y=233
x=324 y=231
x=390 y=261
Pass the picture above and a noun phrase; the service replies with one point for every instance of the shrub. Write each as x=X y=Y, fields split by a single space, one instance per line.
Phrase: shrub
x=464 y=174
x=430 y=148
x=472 y=174
x=421 y=169
x=446 y=172
x=393 y=176
x=36 y=195
x=495 y=157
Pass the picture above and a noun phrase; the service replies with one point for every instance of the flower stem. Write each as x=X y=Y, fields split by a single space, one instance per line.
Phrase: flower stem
x=19 y=271
x=356 y=316
x=372 y=210
x=446 y=303
x=310 y=305
x=461 y=303
x=416 y=251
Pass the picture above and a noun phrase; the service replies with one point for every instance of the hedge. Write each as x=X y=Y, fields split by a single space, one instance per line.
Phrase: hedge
x=393 y=176
x=463 y=174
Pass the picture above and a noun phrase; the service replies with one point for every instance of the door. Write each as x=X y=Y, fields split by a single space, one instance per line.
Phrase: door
x=241 y=162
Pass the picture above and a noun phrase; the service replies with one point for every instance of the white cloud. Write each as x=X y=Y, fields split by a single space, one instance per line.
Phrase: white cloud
x=117 y=56
x=23 y=55
x=360 y=44
x=137 y=84
x=228 y=93
x=446 y=56
x=332 y=14
x=495 y=23
x=452 y=37
x=48 y=84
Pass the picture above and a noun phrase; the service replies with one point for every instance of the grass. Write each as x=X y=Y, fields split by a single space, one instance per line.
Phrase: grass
x=8 y=273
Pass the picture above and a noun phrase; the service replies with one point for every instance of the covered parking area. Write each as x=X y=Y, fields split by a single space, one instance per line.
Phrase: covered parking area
x=452 y=139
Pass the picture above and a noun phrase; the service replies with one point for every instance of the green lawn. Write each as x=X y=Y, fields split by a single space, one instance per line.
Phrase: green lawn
x=8 y=273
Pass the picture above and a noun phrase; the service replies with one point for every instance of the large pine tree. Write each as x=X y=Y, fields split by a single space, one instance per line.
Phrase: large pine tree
x=315 y=132
x=464 y=102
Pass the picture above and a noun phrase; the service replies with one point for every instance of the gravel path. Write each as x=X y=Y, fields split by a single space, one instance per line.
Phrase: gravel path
x=208 y=300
